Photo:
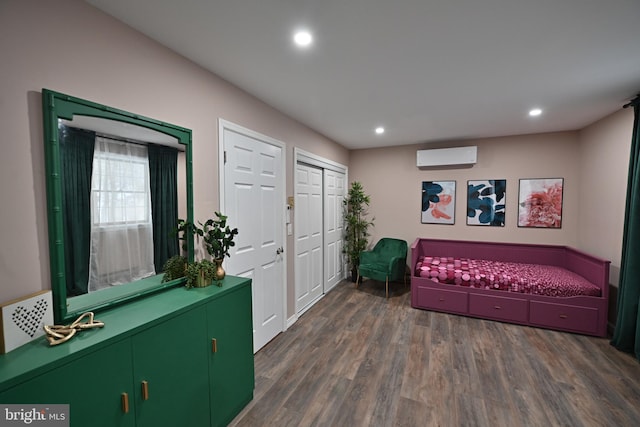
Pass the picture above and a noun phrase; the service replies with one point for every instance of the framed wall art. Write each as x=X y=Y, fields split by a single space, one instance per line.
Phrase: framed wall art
x=540 y=203
x=486 y=202
x=438 y=202
x=23 y=320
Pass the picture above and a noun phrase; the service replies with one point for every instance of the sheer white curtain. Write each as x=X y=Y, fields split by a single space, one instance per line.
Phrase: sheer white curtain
x=121 y=231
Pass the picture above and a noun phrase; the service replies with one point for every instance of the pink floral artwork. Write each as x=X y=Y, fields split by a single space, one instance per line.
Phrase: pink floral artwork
x=540 y=203
x=438 y=202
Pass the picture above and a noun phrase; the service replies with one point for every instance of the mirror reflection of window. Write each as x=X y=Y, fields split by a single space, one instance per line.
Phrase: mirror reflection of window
x=121 y=231
x=121 y=207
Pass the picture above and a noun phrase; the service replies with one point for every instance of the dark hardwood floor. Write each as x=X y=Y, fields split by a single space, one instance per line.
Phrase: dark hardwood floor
x=358 y=359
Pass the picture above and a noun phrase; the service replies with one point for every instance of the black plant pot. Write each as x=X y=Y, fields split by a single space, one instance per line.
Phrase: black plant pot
x=354 y=275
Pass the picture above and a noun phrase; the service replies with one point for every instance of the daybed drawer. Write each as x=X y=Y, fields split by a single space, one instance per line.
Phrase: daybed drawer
x=500 y=308
x=567 y=317
x=442 y=300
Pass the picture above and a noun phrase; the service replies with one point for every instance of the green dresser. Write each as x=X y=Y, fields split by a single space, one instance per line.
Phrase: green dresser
x=179 y=357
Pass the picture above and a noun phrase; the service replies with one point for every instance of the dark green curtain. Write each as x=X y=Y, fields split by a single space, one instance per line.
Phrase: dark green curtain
x=626 y=336
x=76 y=161
x=163 y=164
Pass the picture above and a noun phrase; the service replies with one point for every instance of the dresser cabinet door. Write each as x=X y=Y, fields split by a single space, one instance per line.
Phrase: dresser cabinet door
x=170 y=365
x=92 y=385
x=231 y=362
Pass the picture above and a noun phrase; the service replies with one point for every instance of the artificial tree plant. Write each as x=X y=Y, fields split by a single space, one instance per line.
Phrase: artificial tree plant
x=356 y=225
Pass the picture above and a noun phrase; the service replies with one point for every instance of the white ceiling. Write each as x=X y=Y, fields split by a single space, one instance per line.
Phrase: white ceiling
x=426 y=70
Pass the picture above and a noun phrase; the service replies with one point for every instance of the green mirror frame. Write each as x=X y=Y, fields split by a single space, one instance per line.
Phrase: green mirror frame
x=56 y=106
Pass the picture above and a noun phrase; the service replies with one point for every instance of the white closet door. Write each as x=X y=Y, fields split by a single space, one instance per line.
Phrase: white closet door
x=308 y=222
x=334 y=189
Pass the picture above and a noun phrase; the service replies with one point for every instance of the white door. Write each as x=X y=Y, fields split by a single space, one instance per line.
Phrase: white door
x=334 y=188
x=308 y=209
x=254 y=201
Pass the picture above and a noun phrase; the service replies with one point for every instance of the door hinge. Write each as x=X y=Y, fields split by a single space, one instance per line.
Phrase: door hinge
x=225 y=157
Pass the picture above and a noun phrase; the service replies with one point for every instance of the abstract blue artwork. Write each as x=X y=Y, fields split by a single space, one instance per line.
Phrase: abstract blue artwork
x=486 y=202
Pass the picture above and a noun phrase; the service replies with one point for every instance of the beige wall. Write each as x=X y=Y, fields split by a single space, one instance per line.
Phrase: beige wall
x=394 y=182
x=593 y=163
x=70 y=47
x=604 y=167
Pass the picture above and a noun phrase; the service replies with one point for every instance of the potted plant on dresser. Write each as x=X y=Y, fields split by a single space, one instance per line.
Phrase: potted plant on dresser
x=217 y=239
x=200 y=274
x=356 y=225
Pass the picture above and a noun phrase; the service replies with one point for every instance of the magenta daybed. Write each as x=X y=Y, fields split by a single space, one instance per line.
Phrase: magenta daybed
x=512 y=282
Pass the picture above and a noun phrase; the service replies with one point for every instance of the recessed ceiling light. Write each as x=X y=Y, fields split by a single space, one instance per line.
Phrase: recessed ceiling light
x=379 y=130
x=303 y=38
x=535 y=112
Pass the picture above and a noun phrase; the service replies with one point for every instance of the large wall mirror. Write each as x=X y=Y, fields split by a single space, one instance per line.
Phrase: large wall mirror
x=117 y=183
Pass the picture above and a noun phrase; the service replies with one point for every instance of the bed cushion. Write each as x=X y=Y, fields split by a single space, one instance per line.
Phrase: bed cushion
x=507 y=276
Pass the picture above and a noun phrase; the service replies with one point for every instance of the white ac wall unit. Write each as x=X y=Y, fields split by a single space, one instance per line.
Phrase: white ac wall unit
x=447 y=156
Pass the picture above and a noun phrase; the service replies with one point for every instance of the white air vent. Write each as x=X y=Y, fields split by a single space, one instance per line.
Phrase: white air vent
x=447 y=156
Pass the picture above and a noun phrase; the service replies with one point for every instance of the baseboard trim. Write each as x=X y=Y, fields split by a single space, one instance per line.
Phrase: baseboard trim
x=291 y=320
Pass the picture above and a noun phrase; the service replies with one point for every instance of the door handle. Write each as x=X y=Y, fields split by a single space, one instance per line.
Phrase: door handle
x=280 y=250
x=145 y=390
x=124 y=400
